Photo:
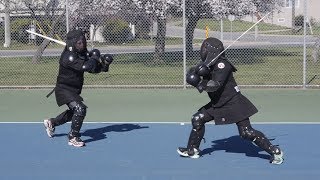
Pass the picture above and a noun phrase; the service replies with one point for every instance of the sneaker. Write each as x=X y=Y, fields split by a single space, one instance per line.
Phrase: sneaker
x=76 y=141
x=277 y=158
x=185 y=152
x=49 y=127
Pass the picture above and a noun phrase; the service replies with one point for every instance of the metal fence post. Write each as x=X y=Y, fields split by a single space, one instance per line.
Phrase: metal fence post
x=7 y=25
x=184 y=44
x=67 y=15
x=304 y=44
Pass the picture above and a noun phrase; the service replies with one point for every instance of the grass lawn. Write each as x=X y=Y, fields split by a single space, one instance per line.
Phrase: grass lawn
x=270 y=66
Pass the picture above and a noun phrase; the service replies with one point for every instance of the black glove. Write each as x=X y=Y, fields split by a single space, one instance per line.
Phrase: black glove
x=106 y=60
x=95 y=54
x=192 y=78
x=202 y=70
x=196 y=81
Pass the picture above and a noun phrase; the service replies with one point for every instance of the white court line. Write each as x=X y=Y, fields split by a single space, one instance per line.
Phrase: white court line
x=181 y=123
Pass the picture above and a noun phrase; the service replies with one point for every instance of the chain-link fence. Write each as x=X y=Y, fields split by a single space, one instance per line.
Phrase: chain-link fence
x=154 y=42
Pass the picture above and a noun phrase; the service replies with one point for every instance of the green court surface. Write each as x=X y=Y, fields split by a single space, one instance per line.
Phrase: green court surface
x=158 y=105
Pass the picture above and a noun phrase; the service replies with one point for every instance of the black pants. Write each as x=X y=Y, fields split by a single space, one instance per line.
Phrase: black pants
x=246 y=131
x=76 y=114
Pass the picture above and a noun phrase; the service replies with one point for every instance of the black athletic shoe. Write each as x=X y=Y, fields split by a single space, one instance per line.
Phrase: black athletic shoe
x=76 y=141
x=277 y=157
x=185 y=152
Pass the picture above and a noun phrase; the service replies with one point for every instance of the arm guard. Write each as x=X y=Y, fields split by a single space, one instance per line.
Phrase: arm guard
x=212 y=86
x=202 y=85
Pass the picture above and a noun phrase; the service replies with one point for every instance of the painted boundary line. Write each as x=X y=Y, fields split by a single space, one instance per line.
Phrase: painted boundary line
x=181 y=123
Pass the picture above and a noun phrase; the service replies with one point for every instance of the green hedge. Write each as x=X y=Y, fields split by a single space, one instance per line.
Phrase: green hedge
x=116 y=31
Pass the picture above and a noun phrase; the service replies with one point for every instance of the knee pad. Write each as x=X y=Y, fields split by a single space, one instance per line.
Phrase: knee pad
x=197 y=121
x=247 y=133
x=79 y=109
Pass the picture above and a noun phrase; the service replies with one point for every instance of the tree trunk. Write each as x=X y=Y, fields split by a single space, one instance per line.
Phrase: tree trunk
x=258 y=16
x=191 y=25
x=38 y=54
x=160 y=41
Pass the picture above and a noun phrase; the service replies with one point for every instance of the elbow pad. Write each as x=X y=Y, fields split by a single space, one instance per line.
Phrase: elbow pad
x=212 y=86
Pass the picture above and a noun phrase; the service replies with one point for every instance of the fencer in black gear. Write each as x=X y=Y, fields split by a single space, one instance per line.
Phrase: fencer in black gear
x=74 y=61
x=214 y=74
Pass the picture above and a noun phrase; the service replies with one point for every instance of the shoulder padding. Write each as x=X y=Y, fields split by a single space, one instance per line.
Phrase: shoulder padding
x=69 y=56
x=224 y=60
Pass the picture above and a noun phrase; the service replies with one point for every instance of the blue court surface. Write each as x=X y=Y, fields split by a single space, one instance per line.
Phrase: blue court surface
x=147 y=151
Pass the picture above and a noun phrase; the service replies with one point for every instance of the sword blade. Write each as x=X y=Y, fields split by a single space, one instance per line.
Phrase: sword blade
x=46 y=37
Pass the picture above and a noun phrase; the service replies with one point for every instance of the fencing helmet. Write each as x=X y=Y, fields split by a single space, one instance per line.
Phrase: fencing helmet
x=73 y=37
x=210 y=49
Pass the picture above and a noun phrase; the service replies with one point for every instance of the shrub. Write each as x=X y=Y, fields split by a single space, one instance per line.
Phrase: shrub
x=18 y=30
x=116 y=31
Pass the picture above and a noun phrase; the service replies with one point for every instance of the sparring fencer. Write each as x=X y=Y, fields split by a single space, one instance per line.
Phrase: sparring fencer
x=74 y=61
x=214 y=75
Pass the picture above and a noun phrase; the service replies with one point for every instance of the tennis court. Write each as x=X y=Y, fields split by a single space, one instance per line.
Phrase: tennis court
x=134 y=133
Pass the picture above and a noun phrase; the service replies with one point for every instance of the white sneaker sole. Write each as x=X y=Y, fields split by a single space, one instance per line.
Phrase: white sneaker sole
x=278 y=159
x=195 y=156
x=76 y=145
x=47 y=126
